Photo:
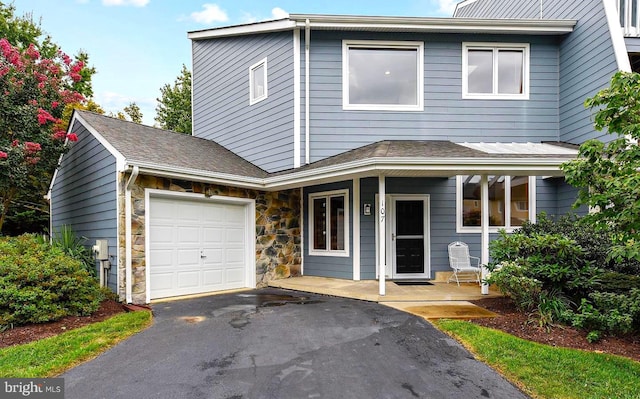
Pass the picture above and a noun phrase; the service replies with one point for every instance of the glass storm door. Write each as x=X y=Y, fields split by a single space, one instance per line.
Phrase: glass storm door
x=409 y=237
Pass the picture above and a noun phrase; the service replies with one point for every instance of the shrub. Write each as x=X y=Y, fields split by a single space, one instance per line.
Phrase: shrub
x=596 y=247
x=609 y=312
x=40 y=283
x=72 y=245
x=511 y=281
x=618 y=283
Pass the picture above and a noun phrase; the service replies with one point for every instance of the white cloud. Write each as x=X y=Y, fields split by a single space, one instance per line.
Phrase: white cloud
x=276 y=13
x=279 y=13
x=447 y=6
x=135 y=3
x=211 y=13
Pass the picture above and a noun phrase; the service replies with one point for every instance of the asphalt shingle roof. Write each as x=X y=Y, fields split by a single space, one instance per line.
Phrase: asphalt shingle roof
x=140 y=143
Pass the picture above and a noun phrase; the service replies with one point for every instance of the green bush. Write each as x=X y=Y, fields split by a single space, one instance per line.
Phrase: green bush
x=596 y=246
x=618 y=283
x=39 y=283
x=72 y=245
x=609 y=313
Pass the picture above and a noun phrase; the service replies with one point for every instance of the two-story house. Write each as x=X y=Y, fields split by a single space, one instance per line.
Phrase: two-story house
x=353 y=147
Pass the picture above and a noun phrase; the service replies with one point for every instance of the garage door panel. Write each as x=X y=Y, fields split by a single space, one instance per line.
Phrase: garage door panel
x=183 y=230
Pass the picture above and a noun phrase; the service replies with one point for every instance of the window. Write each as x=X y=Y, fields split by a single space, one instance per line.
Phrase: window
x=258 y=82
x=383 y=75
x=511 y=202
x=495 y=71
x=329 y=223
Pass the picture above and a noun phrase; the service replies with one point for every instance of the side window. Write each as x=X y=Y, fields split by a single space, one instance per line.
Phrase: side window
x=511 y=202
x=329 y=223
x=495 y=71
x=258 y=82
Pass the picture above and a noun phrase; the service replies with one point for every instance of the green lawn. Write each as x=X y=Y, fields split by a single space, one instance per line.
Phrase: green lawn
x=51 y=356
x=544 y=371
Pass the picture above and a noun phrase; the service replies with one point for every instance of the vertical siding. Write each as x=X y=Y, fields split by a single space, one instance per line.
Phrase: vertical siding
x=446 y=115
x=328 y=266
x=587 y=59
x=261 y=133
x=84 y=194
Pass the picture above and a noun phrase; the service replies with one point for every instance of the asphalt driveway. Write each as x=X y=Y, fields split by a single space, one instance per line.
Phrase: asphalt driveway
x=280 y=344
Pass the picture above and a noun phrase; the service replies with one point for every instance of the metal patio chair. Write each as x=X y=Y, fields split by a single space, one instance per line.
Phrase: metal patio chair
x=461 y=262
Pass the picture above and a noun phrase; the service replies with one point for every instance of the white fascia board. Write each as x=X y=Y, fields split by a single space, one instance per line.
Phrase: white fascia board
x=240 y=30
x=417 y=24
x=617 y=35
x=435 y=166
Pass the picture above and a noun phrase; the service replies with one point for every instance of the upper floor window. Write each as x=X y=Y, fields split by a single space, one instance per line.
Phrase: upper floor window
x=329 y=223
x=258 y=81
x=381 y=75
x=495 y=71
x=511 y=202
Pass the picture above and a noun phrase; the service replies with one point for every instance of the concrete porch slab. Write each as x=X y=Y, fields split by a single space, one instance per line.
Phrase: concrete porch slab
x=439 y=300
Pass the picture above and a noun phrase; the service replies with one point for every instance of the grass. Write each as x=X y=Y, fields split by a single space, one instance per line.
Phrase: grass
x=543 y=371
x=51 y=356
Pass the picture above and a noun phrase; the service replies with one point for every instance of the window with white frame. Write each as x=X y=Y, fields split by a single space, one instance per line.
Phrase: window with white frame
x=258 y=81
x=495 y=71
x=329 y=223
x=511 y=202
x=380 y=75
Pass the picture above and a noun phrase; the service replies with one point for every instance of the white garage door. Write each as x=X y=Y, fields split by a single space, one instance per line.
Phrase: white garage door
x=196 y=246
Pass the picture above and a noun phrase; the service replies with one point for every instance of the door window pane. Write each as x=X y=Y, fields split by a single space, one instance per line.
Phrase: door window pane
x=409 y=218
x=480 y=71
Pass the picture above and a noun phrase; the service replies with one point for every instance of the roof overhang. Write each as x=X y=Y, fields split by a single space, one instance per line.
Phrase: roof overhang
x=393 y=24
x=392 y=167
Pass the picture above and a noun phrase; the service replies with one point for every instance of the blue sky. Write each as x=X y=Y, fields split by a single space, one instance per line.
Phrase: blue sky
x=137 y=46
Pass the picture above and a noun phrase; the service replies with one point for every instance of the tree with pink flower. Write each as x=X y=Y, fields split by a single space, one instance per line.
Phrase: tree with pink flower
x=34 y=91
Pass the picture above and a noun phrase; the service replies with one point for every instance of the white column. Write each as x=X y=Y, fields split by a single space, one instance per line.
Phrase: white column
x=356 y=228
x=382 y=260
x=484 y=226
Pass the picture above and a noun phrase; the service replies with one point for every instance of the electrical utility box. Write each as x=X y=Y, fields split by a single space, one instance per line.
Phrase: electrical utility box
x=101 y=249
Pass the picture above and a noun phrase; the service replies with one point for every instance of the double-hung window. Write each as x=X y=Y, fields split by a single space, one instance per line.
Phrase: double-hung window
x=258 y=82
x=380 y=75
x=511 y=202
x=329 y=223
x=495 y=71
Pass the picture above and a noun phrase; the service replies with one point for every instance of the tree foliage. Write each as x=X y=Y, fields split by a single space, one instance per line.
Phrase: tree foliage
x=607 y=174
x=34 y=91
x=130 y=113
x=173 y=111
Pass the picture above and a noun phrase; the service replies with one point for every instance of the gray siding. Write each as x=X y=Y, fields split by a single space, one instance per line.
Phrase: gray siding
x=261 y=133
x=587 y=59
x=84 y=194
x=328 y=266
x=442 y=219
x=446 y=115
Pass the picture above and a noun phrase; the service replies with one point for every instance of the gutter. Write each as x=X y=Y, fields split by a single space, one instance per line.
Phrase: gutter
x=128 y=245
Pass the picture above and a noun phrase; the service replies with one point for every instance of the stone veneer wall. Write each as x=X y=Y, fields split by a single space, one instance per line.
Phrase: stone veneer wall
x=278 y=240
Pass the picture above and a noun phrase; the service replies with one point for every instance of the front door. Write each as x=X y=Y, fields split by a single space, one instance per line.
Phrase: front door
x=408 y=237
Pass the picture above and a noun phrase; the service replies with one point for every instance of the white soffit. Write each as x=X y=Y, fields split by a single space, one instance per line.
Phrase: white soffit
x=521 y=148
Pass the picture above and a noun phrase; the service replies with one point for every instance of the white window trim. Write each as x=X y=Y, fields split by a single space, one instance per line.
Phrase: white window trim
x=466 y=46
x=347 y=44
x=329 y=252
x=461 y=229
x=265 y=94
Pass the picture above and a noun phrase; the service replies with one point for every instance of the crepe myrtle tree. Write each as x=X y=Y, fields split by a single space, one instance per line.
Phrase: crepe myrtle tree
x=608 y=174
x=33 y=93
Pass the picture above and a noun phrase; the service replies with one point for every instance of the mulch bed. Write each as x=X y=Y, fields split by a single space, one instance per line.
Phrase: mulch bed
x=31 y=332
x=519 y=324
